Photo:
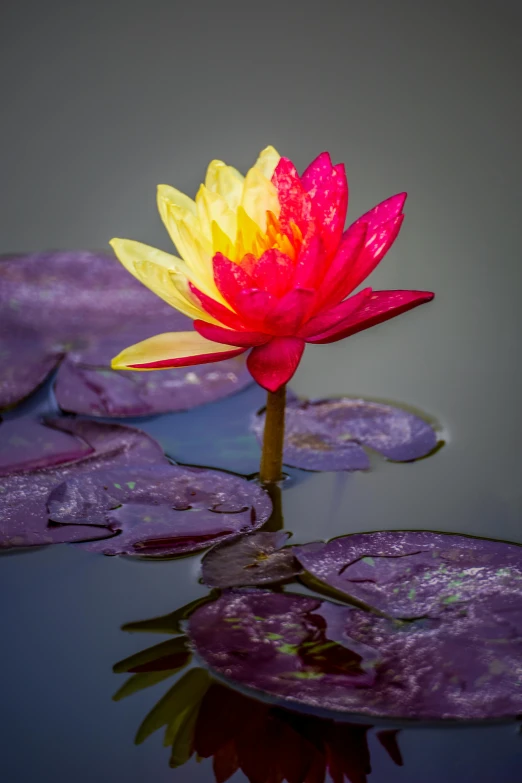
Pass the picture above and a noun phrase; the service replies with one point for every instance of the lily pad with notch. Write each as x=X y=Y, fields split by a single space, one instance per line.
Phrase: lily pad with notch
x=160 y=511
x=407 y=574
x=75 y=310
x=305 y=653
x=333 y=434
x=36 y=456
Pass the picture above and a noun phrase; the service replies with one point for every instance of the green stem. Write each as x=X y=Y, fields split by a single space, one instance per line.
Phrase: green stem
x=276 y=521
x=271 y=469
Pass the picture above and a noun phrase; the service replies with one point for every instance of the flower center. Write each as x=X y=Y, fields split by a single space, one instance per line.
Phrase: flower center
x=252 y=241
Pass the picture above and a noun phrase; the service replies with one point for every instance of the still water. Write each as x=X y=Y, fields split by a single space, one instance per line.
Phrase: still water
x=63 y=607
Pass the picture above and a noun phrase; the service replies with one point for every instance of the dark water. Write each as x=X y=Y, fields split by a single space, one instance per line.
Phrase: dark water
x=63 y=607
x=101 y=101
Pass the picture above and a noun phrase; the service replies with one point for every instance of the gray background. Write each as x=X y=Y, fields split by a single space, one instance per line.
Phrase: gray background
x=100 y=101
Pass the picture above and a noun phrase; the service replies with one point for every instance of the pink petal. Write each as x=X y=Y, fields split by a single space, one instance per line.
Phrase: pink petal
x=384 y=211
x=217 y=310
x=288 y=314
x=333 y=288
x=296 y=205
x=272 y=365
x=253 y=306
x=309 y=267
x=328 y=188
x=273 y=272
x=231 y=279
x=378 y=241
x=229 y=337
x=381 y=306
x=334 y=317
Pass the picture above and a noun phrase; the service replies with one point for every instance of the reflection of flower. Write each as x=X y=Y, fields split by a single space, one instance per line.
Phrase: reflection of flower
x=265 y=265
x=265 y=742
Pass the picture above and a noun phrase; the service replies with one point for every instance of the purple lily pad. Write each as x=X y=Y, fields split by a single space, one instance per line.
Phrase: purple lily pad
x=325 y=657
x=87 y=307
x=36 y=457
x=409 y=574
x=86 y=384
x=255 y=559
x=331 y=434
x=160 y=511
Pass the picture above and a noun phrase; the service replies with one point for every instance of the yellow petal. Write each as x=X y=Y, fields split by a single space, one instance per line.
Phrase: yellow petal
x=212 y=207
x=267 y=161
x=172 y=213
x=225 y=180
x=259 y=196
x=174 y=196
x=175 y=349
x=160 y=272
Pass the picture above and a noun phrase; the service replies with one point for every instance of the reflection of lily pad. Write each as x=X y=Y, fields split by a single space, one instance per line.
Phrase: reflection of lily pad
x=85 y=306
x=160 y=511
x=203 y=717
x=255 y=559
x=331 y=434
x=36 y=457
x=416 y=574
x=324 y=656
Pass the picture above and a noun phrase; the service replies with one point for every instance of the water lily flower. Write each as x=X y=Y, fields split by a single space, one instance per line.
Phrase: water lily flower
x=265 y=265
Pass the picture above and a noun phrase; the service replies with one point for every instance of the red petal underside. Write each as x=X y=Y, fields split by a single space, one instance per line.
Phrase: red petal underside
x=272 y=365
x=217 y=310
x=273 y=272
x=296 y=205
x=189 y=361
x=229 y=337
x=288 y=314
x=381 y=306
x=333 y=318
x=328 y=188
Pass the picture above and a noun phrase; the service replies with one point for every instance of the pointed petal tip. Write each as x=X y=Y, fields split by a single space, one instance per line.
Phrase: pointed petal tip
x=173 y=349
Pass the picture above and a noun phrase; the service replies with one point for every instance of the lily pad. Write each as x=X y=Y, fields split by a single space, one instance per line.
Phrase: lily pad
x=37 y=456
x=86 y=307
x=160 y=511
x=330 y=434
x=407 y=574
x=265 y=742
x=316 y=655
x=254 y=559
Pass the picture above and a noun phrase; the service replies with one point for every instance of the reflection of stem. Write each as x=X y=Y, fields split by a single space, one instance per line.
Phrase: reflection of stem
x=276 y=521
x=272 y=456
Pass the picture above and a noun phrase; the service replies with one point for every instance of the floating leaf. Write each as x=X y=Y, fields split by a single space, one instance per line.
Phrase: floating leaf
x=85 y=306
x=409 y=574
x=83 y=386
x=35 y=457
x=266 y=742
x=254 y=559
x=309 y=653
x=330 y=434
x=160 y=511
